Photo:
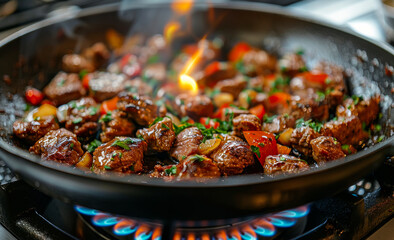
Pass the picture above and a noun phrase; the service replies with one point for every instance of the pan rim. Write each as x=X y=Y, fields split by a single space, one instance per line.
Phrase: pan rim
x=231 y=181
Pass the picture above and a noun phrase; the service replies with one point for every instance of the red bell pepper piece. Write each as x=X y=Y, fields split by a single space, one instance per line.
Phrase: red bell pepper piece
x=108 y=105
x=315 y=77
x=279 y=98
x=220 y=112
x=258 y=111
x=262 y=144
x=85 y=81
x=212 y=68
x=238 y=51
x=208 y=123
x=34 y=96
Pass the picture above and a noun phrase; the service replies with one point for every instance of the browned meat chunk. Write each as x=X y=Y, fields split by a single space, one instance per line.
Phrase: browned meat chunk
x=58 y=145
x=34 y=130
x=156 y=71
x=259 y=61
x=335 y=96
x=312 y=108
x=186 y=143
x=348 y=130
x=291 y=64
x=64 y=88
x=138 y=108
x=326 y=149
x=232 y=86
x=121 y=154
x=81 y=117
x=113 y=124
x=284 y=164
x=97 y=55
x=279 y=124
x=246 y=122
x=195 y=166
x=74 y=63
x=366 y=110
x=232 y=157
x=198 y=106
x=301 y=138
x=335 y=73
x=160 y=136
x=104 y=85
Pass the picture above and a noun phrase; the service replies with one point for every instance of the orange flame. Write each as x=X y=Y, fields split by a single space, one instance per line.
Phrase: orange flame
x=170 y=30
x=182 y=6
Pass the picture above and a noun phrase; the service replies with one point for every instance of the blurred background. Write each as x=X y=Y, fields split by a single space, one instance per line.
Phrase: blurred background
x=371 y=18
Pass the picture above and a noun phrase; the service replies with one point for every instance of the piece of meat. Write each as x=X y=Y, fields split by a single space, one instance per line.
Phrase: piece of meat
x=121 y=154
x=64 y=88
x=58 y=145
x=82 y=116
x=198 y=106
x=325 y=149
x=336 y=75
x=282 y=163
x=97 y=55
x=366 y=110
x=346 y=130
x=156 y=71
x=194 y=167
x=246 y=122
x=113 y=124
x=335 y=96
x=186 y=143
x=233 y=86
x=30 y=132
x=260 y=62
x=138 y=86
x=291 y=64
x=279 y=124
x=310 y=108
x=75 y=63
x=232 y=111
x=232 y=157
x=160 y=136
x=301 y=138
x=105 y=85
x=141 y=109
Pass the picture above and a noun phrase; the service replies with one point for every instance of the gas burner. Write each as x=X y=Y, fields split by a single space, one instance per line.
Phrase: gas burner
x=281 y=225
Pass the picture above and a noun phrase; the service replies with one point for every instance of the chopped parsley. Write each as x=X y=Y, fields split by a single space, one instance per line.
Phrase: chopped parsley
x=27 y=107
x=77 y=120
x=320 y=96
x=170 y=171
x=93 y=111
x=123 y=143
x=107 y=167
x=300 y=51
x=197 y=158
x=153 y=59
x=381 y=137
x=268 y=119
x=183 y=157
x=71 y=145
x=317 y=126
x=378 y=127
x=327 y=81
x=107 y=117
x=140 y=137
x=261 y=144
x=357 y=99
x=346 y=148
x=282 y=158
x=93 y=145
x=73 y=104
x=256 y=150
x=61 y=82
x=132 y=168
x=82 y=73
x=303 y=69
x=165 y=126
x=248 y=100
x=158 y=119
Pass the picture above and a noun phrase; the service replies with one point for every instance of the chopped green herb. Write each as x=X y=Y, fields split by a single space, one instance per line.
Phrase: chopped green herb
x=197 y=158
x=112 y=159
x=73 y=104
x=93 y=145
x=381 y=137
x=36 y=119
x=378 y=127
x=316 y=126
x=303 y=69
x=107 y=117
x=261 y=144
x=268 y=119
x=140 y=137
x=320 y=96
x=107 y=167
x=153 y=59
x=248 y=100
x=61 y=82
x=328 y=91
x=82 y=73
x=123 y=143
x=207 y=121
x=27 y=107
x=158 y=119
x=132 y=168
x=77 y=120
x=93 y=111
x=357 y=99
x=256 y=150
x=71 y=145
x=346 y=148
x=327 y=81
x=282 y=158
x=171 y=110
x=300 y=51
x=170 y=171
x=380 y=115
x=335 y=119
x=183 y=157
x=165 y=126
x=277 y=137
x=364 y=126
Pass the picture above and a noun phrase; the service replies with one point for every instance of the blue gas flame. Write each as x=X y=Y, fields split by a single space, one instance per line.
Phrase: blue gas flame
x=86 y=211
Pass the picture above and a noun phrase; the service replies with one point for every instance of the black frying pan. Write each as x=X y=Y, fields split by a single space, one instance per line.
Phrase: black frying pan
x=31 y=57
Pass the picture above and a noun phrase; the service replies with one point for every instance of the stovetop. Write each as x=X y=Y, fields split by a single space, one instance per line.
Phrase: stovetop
x=365 y=210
